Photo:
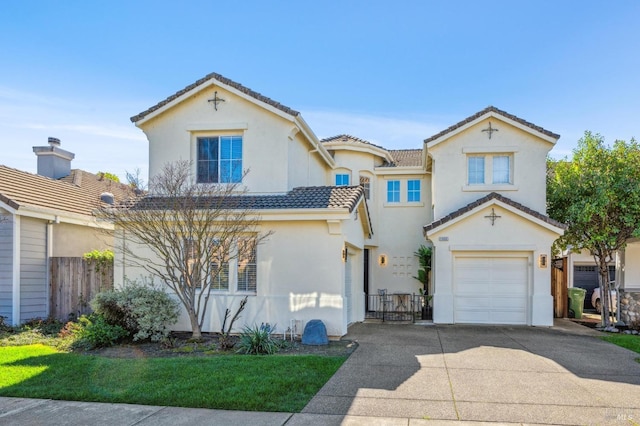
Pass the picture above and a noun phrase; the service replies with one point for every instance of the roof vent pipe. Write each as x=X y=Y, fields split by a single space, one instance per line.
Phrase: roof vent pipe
x=107 y=197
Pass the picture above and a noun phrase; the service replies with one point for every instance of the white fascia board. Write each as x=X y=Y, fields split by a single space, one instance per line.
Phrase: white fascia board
x=495 y=202
x=315 y=142
x=59 y=216
x=8 y=208
x=414 y=170
x=303 y=214
x=369 y=149
x=206 y=84
x=492 y=114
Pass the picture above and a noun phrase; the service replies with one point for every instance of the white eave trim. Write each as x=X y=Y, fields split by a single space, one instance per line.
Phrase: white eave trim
x=412 y=170
x=315 y=142
x=59 y=216
x=359 y=147
x=500 y=117
x=212 y=82
x=499 y=203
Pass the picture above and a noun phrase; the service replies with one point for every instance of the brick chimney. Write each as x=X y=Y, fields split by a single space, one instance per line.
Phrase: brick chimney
x=53 y=161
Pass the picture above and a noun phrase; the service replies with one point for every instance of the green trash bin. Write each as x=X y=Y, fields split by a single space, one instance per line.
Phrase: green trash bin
x=576 y=301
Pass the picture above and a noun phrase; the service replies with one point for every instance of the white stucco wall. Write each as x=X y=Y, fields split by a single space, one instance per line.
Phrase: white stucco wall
x=300 y=277
x=511 y=235
x=267 y=140
x=73 y=240
x=450 y=178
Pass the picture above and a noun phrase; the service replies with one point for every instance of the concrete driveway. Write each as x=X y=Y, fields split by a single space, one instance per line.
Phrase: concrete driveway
x=563 y=375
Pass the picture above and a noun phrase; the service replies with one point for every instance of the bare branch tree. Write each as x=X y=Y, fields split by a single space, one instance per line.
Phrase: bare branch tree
x=185 y=234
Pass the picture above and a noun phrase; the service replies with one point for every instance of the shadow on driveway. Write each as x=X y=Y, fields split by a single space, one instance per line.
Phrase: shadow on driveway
x=483 y=373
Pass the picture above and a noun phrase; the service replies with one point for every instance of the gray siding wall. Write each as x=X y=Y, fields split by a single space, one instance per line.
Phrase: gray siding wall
x=33 y=268
x=6 y=268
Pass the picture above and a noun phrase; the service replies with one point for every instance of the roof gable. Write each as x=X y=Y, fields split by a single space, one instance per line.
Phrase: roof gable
x=208 y=80
x=489 y=199
x=492 y=112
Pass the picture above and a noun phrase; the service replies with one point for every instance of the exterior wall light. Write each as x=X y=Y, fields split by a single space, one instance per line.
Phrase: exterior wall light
x=382 y=260
x=542 y=261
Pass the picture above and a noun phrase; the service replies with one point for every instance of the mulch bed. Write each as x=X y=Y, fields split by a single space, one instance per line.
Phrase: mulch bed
x=179 y=344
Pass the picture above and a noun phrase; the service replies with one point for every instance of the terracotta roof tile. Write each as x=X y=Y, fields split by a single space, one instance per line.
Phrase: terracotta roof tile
x=492 y=196
x=223 y=80
x=497 y=111
x=19 y=188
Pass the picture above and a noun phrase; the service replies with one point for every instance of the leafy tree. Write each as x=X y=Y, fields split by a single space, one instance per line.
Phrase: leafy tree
x=597 y=194
x=192 y=230
x=109 y=176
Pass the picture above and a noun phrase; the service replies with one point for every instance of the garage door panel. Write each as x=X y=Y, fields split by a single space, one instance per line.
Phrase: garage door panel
x=491 y=290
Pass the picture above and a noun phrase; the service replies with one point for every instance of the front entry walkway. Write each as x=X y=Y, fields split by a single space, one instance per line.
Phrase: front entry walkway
x=562 y=375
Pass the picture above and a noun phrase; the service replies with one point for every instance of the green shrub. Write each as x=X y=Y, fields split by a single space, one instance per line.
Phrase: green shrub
x=96 y=332
x=258 y=341
x=145 y=311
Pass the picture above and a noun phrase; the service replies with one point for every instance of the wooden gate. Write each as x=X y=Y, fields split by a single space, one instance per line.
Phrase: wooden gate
x=559 y=287
x=74 y=281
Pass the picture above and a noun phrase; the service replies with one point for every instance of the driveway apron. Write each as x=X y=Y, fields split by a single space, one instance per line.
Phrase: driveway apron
x=560 y=375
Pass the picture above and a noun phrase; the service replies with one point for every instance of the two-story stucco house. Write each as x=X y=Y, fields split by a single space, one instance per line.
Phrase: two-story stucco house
x=348 y=215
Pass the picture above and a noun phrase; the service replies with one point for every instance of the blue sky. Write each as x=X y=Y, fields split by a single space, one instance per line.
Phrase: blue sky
x=393 y=73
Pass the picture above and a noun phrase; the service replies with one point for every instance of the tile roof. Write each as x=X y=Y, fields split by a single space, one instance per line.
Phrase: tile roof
x=77 y=193
x=492 y=196
x=349 y=140
x=312 y=197
x=405 y=158
x=497 y=111
x=223 y=80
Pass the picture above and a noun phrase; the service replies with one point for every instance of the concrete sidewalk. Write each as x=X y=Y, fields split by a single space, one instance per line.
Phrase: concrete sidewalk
x=414 y=375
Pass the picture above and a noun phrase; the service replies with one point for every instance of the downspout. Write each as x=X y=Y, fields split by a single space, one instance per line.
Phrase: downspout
x=48 y=262
x=15 y=315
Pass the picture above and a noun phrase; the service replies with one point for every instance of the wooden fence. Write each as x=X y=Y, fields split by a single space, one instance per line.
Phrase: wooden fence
x=559 y=287
x=74 y=281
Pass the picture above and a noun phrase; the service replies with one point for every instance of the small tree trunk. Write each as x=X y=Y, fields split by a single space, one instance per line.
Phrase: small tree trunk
x=605 y=294
x=196 y=332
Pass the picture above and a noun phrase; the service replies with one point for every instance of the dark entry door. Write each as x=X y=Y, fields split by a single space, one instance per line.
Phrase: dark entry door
x=366 y=280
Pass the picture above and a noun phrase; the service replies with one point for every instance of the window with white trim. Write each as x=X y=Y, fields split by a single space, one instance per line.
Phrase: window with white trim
x=501 y=169
x=393 y=191
x=219 y=270
x=365 y=183
x=413 y=191
x=219 y=159
x=247 y=265
x=342 y=179
x=475 y=170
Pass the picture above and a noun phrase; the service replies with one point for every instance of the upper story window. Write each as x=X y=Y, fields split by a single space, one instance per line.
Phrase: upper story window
x=490 y=169
x=393 y=191
x=365 y=183
x=342 y=179
x=219 y=159
x=413 y=191
x=475 y=170
x=501 y=169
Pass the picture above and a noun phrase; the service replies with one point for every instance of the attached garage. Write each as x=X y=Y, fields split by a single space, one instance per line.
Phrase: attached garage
x=491 y=289
x=491 y=264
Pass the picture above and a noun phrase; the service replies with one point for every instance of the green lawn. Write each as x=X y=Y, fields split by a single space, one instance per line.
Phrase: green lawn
x=628 y=341
x=233 y=382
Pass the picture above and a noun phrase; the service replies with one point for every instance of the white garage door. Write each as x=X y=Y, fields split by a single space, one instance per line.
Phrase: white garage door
x=491 y=290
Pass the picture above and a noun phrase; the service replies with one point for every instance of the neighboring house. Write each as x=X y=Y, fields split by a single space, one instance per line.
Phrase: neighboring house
x=624 y=270
x=46 y=215
x=348 y=215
